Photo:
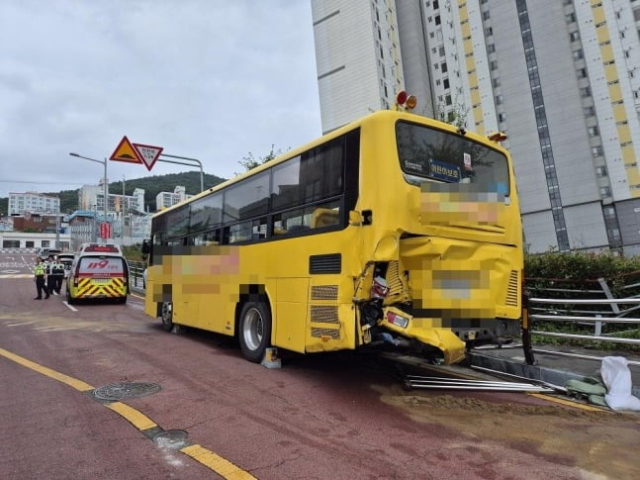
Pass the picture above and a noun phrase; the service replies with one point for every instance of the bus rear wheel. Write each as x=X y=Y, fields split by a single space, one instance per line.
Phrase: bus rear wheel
x=254 y=330
x=166 y=313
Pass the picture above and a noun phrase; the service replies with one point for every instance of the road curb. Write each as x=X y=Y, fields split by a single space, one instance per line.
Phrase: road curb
x=534 y=372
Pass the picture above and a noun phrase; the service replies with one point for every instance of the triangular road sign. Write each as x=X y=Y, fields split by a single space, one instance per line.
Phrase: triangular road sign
x=125 y=152
x=148 y=154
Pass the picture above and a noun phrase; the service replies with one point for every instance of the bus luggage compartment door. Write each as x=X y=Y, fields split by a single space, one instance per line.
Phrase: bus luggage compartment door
x=290 y=322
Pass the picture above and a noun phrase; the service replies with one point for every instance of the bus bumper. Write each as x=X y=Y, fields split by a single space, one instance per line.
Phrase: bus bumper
x=423 y=330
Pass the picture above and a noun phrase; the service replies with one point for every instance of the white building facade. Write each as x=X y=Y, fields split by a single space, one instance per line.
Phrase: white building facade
x=91 y=197
x=560 y=77
x=32 y=202
x=167 y=199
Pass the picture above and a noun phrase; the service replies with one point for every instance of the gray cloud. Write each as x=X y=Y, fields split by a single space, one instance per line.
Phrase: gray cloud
x=208 y=79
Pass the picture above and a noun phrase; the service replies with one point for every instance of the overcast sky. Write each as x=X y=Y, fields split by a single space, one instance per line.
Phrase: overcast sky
x=210 y=79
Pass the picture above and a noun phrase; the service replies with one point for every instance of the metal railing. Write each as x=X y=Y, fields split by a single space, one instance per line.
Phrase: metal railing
x=136 y=280
x=553 y=304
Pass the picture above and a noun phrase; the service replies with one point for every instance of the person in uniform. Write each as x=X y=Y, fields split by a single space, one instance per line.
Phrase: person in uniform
x=58 y=275
x=39 y=275
x=51 y=279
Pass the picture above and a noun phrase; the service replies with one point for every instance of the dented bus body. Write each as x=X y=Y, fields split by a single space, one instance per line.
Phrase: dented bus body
x=395 y=231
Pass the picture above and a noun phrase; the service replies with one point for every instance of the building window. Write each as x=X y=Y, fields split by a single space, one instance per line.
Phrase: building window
x=573 y=36
x=488 y=32
x=597 y=150
x=502 y=117
x=610 y=212
x=447 y=99
x=585 y=92
x=443 y=67
x=571 y=17
x=485 y=15
x=589 y=111
x=437 y=20
x=491 y=48
x=582 y=73
x=605 y=191
x=493 y=65
x=445 y=83
x=601 y=171
x=442 y=51
x=496 y=82
x=593 y=131
x=499 y=99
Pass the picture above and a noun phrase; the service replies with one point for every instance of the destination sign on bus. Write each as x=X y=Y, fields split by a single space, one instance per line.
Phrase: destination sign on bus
x=444 y=171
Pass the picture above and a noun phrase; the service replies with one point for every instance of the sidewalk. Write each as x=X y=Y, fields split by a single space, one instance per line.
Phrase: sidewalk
x=555 y=369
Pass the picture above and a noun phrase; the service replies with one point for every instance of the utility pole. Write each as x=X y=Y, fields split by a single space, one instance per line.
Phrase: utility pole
x=124 y=208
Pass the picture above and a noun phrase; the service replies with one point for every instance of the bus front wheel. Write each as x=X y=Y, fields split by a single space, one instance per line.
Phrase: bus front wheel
x=167 y=316
x=255 y=330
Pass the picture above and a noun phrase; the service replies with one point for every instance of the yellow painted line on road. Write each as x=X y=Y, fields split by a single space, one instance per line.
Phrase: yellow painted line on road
x=137 y=296
x=222 y=467
x=213 y=461
x=137 y=419
x=61 y=377
x=568 y=403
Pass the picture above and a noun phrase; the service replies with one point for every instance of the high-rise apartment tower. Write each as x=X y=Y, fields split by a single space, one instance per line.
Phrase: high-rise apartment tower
x=560 y=77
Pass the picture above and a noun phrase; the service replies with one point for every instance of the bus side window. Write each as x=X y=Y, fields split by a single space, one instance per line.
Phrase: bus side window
x=324 y=217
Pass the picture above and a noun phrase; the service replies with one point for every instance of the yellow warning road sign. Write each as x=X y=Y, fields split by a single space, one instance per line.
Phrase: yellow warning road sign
x=125 y=152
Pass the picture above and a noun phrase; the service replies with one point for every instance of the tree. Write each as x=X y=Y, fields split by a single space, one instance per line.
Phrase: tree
x=455 y=115
x=250 y=162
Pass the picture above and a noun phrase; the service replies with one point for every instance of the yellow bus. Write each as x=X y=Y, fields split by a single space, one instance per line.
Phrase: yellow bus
x=395 y=230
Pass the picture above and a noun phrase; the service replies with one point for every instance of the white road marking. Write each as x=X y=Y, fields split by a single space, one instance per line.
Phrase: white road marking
x=70 y=307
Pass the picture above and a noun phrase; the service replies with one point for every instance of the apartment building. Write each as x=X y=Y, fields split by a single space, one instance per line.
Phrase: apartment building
x=167 y=199
x=91 y=197
x=560 y=77
x=32 y=202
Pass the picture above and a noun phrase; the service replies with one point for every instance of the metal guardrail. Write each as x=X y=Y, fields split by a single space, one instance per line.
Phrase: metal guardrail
x=577 y=311
x=136 y=280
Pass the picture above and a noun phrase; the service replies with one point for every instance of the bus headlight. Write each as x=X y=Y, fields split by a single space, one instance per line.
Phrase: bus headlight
x=397 y=320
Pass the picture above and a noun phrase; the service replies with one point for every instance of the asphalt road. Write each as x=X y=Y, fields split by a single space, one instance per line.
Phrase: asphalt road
x=321 y=416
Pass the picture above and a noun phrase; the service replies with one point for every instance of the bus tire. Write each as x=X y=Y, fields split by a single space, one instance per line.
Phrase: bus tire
x=166 y=314
x=70 y=299
x=122 y=299
x=254 y=330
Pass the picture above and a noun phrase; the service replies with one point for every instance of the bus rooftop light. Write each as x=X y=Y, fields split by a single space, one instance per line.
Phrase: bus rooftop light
x=404 y=100
x=497 y=136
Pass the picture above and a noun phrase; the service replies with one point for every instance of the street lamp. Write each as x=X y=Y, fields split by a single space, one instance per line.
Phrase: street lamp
x=104 y=183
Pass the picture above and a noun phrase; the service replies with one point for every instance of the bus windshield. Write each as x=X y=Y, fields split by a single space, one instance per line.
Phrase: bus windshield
x=449 y=158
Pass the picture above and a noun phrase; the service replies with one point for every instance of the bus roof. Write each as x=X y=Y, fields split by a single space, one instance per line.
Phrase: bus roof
x=379 y=115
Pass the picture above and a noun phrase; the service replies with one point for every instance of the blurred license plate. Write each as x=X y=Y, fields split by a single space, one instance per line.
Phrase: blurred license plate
x=100 y=281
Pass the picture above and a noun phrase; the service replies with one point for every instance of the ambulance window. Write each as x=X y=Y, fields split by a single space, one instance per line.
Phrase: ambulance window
x=103 y=266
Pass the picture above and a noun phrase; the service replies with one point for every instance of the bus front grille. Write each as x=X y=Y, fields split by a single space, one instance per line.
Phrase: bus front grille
x=324 y=314
x=325 y=332
x=324 y=292
x=512 y=290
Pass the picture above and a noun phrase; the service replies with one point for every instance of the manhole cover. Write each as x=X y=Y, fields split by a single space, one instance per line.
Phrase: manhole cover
x=172 y=439
x=118 y=391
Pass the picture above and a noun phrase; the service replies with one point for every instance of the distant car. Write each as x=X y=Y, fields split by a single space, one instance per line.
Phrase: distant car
x=66 y=259
x=44 y=252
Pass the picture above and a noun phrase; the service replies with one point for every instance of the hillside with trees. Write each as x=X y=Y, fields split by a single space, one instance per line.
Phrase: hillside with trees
x=151 y=185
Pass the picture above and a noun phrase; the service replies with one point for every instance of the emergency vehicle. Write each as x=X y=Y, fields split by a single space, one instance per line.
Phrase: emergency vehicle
x=98 y=272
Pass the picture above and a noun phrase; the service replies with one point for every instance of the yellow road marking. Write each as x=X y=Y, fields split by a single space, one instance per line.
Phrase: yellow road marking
x=213 y=461
x=216 y=463
x=61 y=377
x=568 y=403
x=137 y=296
x=137 y=419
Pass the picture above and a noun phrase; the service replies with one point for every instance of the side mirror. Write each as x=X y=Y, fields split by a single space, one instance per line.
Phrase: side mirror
x=355 y=219
x=146 y=247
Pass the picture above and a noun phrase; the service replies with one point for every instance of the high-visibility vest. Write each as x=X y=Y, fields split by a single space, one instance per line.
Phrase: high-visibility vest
x=38 y=270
